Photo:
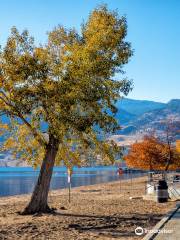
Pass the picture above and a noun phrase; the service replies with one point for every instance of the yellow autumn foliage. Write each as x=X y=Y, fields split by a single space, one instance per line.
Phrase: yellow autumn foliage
x=60 y=90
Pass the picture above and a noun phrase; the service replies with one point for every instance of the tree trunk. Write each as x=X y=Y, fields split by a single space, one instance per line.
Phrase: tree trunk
x=39 y=199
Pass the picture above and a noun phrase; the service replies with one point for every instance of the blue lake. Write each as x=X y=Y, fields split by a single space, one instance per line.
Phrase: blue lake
x=21 y=180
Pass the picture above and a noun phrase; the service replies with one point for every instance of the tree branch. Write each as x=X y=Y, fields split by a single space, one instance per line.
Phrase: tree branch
x=17 y=113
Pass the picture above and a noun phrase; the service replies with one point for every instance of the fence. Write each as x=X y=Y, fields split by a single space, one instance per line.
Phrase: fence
x=133 y=182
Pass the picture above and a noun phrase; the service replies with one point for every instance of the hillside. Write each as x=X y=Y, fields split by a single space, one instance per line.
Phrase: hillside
x=154 y=118
x=151 y=120
x=138 y=107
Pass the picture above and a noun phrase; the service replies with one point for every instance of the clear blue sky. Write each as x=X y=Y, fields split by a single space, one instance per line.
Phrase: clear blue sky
x=153 y=29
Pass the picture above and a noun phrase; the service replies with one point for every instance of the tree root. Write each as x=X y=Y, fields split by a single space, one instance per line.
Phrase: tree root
x=36 y=211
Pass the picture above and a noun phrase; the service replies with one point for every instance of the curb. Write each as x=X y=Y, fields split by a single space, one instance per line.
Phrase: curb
x=154 y=232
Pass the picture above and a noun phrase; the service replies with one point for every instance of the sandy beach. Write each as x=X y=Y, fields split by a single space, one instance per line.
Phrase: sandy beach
x=101 y=211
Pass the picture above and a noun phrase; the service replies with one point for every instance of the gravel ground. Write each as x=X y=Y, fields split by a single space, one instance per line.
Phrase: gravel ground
x=101 y=211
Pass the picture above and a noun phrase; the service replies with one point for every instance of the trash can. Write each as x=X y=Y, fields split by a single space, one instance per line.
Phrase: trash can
x=162 y=191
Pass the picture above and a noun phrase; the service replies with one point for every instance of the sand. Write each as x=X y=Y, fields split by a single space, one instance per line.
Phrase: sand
x=101 y=211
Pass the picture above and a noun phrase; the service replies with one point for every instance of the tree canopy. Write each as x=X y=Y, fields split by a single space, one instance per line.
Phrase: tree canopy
x=68 y=84
x=56 y=95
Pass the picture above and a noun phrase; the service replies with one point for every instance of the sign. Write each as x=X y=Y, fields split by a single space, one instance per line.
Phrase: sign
x=69 y=175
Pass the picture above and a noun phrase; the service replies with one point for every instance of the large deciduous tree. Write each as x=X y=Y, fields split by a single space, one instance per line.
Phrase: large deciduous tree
x=56 y=95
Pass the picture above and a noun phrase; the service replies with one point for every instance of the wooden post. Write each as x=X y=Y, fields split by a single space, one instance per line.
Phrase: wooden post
x=69 y=183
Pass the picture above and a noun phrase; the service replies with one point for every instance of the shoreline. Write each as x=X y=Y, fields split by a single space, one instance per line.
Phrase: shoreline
x=102 y=211
x=62 y=191
x=115 y=177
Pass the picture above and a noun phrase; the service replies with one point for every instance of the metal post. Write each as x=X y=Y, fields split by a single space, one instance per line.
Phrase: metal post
x=120 y=182
x=120 y=172
x=131 y=178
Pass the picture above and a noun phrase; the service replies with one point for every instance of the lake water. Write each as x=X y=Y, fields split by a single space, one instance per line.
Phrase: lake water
x=21 y=180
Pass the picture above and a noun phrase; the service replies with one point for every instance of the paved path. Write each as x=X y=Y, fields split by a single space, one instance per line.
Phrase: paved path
x=171 y=230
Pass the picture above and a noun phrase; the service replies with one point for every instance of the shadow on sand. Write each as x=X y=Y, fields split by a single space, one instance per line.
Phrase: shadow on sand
x=111 y=226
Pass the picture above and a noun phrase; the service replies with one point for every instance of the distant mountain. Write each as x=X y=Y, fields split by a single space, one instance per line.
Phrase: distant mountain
x=148 y=121
x=151 y=118
x=124 y=117
x=174 y=105
x=138 y=107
